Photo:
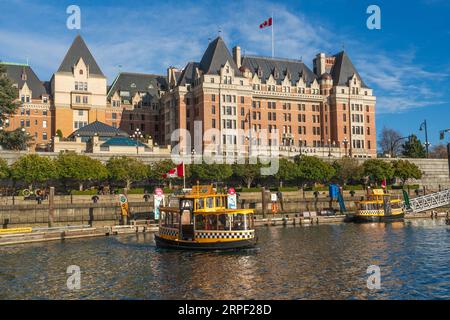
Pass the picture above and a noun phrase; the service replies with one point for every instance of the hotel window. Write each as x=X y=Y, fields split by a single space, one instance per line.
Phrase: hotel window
x=143 y=117
x=345 y=129
x=368 y=131
x=142 y=127
x=44 y=136
x=27 y=123
x=114 y=116
x=80 y=113
x=344 y=117
x=242 y=124
x=22 y=123
x=44 y=99
x=213 y=109
x=213 y=123
x=242 y=111
x=368 y=145
x=44 y=113
x=35 y=122
x=27 y=111
x=77 y=99
x=114 y=125
x=367 y=119
x=242 y=100
x=44 y=124
x=213 y=97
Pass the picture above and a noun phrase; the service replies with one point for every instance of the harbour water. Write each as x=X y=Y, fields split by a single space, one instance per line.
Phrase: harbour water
x=314 y=262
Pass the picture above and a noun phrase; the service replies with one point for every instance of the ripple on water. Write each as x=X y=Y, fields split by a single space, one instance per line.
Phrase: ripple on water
x=320 y=262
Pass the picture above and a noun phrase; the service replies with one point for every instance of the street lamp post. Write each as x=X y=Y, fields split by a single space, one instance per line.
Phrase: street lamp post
x=442 y=136
x=345 y=145
x=423 y=126
x=137 y=135
x=329 y=148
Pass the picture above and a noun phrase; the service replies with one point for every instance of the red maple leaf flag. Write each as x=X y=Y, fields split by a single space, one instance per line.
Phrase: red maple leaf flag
x=177 y=172
x=266 y=23
x=180 y=170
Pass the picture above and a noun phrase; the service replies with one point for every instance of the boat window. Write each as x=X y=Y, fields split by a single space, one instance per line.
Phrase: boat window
x=211 y=222
x=224 y=222
x=210 y=203
x=240 y=222
x=218 y=202
x=199 y=222
x=200 y=204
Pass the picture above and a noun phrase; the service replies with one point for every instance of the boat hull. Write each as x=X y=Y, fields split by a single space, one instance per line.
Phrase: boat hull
x=368 y=218
x=192 y=245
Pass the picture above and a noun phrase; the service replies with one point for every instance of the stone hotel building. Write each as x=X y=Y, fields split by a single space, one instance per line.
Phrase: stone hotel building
x=326 y=111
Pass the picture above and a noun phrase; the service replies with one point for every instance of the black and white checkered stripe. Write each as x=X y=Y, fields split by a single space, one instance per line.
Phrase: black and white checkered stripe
x=168 y=232
x=224 y=235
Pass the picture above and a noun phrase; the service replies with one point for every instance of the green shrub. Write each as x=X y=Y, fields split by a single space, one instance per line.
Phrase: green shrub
x=353 y=187
x=284 y=189
x=249 y=190
x=89 y=192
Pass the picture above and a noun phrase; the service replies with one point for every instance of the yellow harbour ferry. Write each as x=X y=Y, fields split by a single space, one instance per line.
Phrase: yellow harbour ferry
x=378 y=207
x=203 y=220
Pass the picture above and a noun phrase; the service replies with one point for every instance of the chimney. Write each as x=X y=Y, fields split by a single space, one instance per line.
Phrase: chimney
x=319 y=64
x=237 y=56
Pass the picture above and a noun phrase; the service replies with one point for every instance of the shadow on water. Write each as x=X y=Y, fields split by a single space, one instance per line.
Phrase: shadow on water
x=315 y=262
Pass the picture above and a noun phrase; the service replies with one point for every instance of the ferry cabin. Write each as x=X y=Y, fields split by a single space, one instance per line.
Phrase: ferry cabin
x=205 y=222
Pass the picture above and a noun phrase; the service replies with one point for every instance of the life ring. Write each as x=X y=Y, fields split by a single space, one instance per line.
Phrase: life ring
x=26 y=192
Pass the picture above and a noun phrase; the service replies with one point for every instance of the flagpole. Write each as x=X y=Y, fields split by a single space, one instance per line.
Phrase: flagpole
x=273 y=49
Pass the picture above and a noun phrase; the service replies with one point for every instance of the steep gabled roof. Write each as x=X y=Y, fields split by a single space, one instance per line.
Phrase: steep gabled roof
x=295 y=68
x=98 y=128
x=215 y=57
x=14 y=72
x=138 y=83
x=187 y=76
x=78 y=50
x=343 y=69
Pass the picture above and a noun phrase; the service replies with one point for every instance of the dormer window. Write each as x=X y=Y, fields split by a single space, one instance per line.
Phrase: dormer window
x=133 y=85
x=260 y=73
x=228 y=69
x=24 y=76
x=81 y=71
x=276 y=74
x=44 y=99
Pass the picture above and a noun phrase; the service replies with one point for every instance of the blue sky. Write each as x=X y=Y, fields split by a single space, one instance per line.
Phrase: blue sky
x=407 y=62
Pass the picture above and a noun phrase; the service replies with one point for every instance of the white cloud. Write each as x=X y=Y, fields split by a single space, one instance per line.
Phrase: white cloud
x=158 y=35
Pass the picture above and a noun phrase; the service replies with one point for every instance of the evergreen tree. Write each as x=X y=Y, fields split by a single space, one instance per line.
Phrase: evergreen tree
x=413 y=148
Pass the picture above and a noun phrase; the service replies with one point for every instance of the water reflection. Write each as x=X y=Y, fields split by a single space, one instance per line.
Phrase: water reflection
x=316 y=262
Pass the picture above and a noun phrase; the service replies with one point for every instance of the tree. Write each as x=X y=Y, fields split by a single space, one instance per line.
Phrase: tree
x=404 y=170
x=388 y=141
x=247 y=172
x=126 y=170
x=347 y=169
x=439 y=152
x=59 y=133
x=4 y=170
x=211 y=172
x=413 y=148
x=287 y=170
x=80 y=168
x=377 y=170
x=312 y=170
x=157 y=169
x=33 y=169
x=15 y=140
x=8 y=96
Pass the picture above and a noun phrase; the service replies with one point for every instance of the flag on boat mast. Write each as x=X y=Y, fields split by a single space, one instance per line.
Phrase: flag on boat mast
x=269 y=23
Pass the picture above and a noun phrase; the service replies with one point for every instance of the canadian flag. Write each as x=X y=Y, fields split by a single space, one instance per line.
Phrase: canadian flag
x=266 y=23
x=177 y=172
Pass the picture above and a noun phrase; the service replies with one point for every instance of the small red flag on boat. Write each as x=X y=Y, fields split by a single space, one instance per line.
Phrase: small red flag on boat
x=266 y=23
x=383 y=183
